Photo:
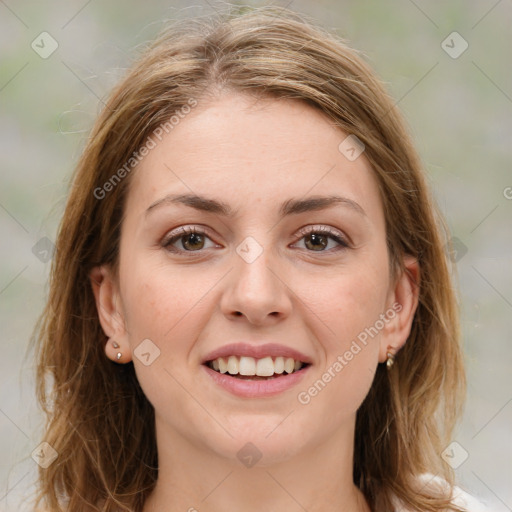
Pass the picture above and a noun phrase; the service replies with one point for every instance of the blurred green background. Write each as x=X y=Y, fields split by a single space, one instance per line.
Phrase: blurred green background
x=459 y=109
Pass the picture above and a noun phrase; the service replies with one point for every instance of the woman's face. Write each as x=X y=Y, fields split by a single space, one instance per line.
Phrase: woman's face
x=277 y=269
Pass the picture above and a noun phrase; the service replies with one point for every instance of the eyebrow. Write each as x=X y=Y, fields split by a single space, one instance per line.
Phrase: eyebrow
x=289 y=207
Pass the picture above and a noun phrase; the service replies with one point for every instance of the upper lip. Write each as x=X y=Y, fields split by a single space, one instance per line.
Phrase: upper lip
x=256 y=351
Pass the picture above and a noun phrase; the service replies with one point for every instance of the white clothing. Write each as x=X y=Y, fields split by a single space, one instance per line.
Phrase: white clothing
x=460 y=497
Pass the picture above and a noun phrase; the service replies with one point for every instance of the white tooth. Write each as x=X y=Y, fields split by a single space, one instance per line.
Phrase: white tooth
x=247 y=366
x=223 y=365
x=297 y=366
x=233 y=365
x=215 y=365
x=279 y=365
x=265 y=367
x=289 y=364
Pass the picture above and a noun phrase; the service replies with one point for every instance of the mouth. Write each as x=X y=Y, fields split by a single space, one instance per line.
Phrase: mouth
x=252 y=369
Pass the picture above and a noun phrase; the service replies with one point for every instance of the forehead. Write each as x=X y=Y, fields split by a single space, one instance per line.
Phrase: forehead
x=252 y=152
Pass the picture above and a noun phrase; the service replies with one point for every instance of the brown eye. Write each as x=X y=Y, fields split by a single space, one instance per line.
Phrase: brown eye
x=193 y=241
x=317 y=239
x=316 y=242
x=186 y=240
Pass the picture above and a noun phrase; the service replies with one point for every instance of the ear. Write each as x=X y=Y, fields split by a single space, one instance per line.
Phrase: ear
x=401 y=305
x=110 y=312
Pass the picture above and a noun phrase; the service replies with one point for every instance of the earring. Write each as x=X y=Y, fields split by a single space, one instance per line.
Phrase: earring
x=116 y=345
x=390 y=360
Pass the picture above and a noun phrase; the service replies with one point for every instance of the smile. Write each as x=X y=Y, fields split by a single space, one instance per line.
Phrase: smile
x=247 y=367
x=256 y=369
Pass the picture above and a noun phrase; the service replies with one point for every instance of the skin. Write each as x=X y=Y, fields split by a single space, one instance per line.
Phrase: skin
x=253 y=155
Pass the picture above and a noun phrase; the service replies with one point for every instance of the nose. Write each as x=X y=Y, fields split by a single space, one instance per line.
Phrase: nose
x=257 y=290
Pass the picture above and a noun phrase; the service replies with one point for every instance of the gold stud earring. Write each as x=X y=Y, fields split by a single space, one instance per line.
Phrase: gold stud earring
x=390 y=360
x=116 y=345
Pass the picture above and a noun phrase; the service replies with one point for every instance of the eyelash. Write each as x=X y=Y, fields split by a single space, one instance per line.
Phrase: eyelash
x=186 y=230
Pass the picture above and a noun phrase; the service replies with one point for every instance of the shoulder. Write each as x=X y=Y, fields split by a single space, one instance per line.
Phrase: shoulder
x=460 y=497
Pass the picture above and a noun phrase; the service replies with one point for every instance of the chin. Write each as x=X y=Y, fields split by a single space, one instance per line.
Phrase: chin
x=260 y=440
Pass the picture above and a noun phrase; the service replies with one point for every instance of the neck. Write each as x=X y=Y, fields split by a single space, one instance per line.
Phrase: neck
x=195 y=479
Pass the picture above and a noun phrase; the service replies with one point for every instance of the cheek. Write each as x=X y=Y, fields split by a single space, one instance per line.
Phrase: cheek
x=163 y=305
x=350 y=302
x=351 y=309
x=158 y=298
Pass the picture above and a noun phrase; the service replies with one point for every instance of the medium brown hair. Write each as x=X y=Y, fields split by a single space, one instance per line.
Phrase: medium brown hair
x=97 y=416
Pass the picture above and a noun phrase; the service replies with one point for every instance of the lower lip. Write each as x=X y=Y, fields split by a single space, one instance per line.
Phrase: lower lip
x=256 y=388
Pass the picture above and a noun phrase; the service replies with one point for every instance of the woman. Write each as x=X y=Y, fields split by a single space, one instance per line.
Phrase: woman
x=250 y=303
